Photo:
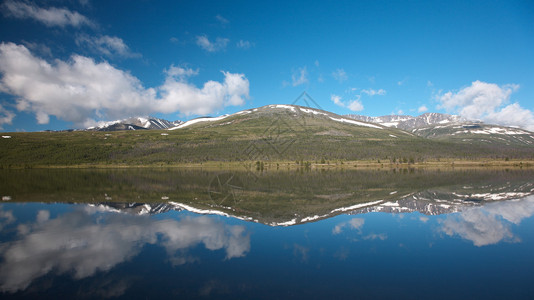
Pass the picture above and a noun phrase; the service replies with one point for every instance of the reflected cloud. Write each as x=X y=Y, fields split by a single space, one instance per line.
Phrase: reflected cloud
x=489 y=224
x=86 y=241
x=374 y=236
x=6 y=217
x=301 y=252
x=423 y=219
x=354 y=223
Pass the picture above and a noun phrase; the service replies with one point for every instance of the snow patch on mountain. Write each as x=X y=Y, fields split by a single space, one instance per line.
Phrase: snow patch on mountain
x=355 y=123
x=409 y=122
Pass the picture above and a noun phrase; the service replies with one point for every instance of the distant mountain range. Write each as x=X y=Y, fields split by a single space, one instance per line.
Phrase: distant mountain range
x=428 y=125
x=136 y=123
x=279 y=132
x=409 y=123
x=452 y=127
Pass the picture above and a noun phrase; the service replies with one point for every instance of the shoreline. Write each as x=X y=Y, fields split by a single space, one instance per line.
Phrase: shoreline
x=293 y=165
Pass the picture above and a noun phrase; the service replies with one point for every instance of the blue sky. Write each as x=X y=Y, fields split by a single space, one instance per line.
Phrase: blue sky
x=70 y=64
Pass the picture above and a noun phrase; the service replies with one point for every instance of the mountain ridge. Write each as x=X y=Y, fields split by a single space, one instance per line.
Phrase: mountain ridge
x=276 y=132
x=408 y=123
x=135 y=123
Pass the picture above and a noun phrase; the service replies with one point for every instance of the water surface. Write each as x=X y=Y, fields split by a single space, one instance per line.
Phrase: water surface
x=358 y=234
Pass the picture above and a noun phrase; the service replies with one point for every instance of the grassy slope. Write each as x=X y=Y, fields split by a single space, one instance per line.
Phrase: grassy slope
x=266 y=135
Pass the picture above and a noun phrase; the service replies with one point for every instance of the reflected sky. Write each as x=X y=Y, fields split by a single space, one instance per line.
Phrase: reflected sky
x=491 y=223
x=480 y=252
x=86 y=240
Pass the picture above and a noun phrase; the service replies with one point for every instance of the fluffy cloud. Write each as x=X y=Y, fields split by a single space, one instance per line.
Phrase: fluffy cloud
x=371 y=92
x=179 y=95
x=222 y=19
x=488 y=102
x=244 y=44
x=81 y=90
x=84 y=242
x=109 y=46
x=422 y=109
x=340 y=75
x=299 y=76
x=51 y=16
x=337 y=100
x=6 y=116
x=354 y=105
x=219 y=44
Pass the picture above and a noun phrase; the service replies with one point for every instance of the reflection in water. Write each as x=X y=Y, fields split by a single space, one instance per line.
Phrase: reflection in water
x=489 y=224
x=367 y=234
x=357 y=225
x=354 y=223
x=6 y=217
x=85 y=241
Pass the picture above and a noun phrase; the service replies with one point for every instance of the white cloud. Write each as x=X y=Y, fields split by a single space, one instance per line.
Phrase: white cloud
x=316 y=63
x=219 y=44
x=222 y=19
x=180 y=73
x=81 y=90
x=51 y=16
x=337 y=100
x=300 y=76
x=354 y=105
x=371 y=92
x=244 y=44
x=6 y=116
x=109 y=46
x=38 y=48
x=422 y=109
x=488 y=102
x=340 y=75
x=84 y=242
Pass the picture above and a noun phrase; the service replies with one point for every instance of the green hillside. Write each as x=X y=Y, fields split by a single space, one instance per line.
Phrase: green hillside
x=270 y=133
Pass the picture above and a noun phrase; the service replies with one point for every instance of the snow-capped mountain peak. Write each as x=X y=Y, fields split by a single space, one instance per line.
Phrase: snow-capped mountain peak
x=408 y=123
x=136 y=123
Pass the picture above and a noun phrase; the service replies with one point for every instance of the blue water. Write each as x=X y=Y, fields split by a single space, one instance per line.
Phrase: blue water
x=77 y=251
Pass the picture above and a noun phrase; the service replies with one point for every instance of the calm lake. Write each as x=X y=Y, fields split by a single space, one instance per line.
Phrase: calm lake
x=280 y=234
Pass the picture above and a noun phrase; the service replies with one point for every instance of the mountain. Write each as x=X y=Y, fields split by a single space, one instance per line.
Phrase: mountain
x=409 y=123
x=279 y=133
x=136 y=123
x=454 y=128
x=475 y=132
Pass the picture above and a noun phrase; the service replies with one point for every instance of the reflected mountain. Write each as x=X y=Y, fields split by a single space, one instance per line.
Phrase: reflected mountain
x=276 y=198
x=143 y=233
x=431 y=202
